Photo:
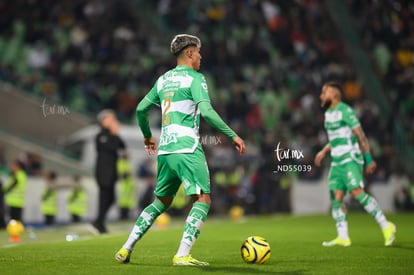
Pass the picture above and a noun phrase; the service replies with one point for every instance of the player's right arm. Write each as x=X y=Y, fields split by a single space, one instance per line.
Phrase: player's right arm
x=200 y=95
x=322 y=154
x=212 y=118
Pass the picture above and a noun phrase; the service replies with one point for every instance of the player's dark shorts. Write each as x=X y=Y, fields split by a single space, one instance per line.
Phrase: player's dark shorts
x=190 y=169
x=346 y=177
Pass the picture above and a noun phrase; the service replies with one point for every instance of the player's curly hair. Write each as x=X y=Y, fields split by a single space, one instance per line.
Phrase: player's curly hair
x=182 y=41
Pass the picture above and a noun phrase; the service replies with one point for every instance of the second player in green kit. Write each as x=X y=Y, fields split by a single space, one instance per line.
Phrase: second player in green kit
x=349 y=150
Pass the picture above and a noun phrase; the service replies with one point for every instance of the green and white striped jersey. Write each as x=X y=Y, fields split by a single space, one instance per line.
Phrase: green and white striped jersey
x=178 y=92
x=339 y=122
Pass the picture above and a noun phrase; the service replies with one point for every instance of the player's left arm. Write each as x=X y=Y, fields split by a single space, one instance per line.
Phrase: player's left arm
x=370 y=164
x=142 y=116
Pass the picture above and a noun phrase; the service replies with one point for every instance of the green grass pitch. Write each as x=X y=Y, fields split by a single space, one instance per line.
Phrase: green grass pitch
x=295 y=242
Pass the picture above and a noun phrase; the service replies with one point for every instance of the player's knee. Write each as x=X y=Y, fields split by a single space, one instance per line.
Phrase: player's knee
x=357 y=192
x=167 y=200
x=336 y=204
x=361 y=197
x=204 y=198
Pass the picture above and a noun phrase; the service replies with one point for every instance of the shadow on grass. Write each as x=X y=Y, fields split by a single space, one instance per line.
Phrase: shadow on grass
x=247 y=270
x=227 y=270
x=406 y=246
x=402 y=246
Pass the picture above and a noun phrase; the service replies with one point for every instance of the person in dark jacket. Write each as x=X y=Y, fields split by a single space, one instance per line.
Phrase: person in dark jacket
x=108 y=146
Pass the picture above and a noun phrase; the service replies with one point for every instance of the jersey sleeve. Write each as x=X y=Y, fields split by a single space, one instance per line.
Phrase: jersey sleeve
x=199 y=89
x=143 y=107
x=153 y=96
x=350 y=118
x=211 y=116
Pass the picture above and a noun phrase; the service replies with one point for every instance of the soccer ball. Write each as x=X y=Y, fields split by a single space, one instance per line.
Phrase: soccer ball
x=236 y=213
x=255 y=250
x=163 y=220
x=15 y=229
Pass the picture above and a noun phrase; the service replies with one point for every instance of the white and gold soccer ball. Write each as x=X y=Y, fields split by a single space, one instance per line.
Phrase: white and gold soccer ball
x=255 y=250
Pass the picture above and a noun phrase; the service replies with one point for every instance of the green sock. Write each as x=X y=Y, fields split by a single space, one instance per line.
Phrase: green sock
x=144 y=222
x=193 y=223
x=371 y=206
x=339 y=216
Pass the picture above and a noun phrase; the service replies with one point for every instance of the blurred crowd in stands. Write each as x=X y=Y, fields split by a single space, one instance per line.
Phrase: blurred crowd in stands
x=265 y=63
x=386 y=29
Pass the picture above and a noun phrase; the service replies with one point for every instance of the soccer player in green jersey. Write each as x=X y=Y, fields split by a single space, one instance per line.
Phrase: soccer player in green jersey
x=182 y=95
x=350 y=153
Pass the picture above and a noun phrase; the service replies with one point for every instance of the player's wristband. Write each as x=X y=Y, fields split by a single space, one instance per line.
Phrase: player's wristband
x=368 y=159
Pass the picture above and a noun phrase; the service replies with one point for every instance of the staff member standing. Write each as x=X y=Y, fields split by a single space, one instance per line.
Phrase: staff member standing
x=49 y=204
x=126 y=187
x=77 y=201
x=15 y=191
x=108 y=146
